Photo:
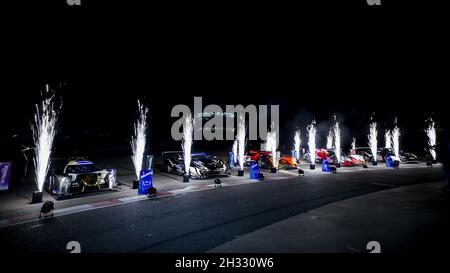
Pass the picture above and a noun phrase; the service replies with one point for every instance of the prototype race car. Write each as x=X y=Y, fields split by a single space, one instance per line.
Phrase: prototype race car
x=254 y=155
x=265 y=161
x=321 y=154
x=404 y=157
x=202 y=165
x=77 y=175
x=408 y=158
x=352 y=160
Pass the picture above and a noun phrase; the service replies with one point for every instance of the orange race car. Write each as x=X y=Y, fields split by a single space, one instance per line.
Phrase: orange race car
x=265 y=161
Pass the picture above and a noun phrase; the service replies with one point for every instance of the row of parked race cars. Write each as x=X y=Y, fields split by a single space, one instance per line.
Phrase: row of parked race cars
x=79 y=174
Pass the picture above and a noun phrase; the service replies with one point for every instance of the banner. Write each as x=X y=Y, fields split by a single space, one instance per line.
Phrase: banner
x=145 y=181
x=5 y=172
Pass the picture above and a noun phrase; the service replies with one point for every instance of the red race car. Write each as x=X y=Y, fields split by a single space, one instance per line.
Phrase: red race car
x=265 y=160
x=353 y=160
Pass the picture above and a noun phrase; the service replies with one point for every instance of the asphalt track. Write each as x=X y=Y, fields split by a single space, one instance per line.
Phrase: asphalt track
x=199 y=221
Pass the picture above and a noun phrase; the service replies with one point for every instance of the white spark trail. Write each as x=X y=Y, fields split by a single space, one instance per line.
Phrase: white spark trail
x=297 y=143
x=272 y=145
x=138 y=140
x=431 y=133
x=43 y=134
x=241 y=140
x=235 y=151
x=337 y=141
x=330 y=139
x=373 y=139
x=312 y=141
x=396 y=141
x=187 y=142
x=387 y=139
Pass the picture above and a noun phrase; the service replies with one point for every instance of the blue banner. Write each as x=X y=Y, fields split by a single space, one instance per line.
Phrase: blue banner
x=5 y=173
x=326 y=166
x=389 y=161
x=254 y=170
x=231 y=159
x=145 y=181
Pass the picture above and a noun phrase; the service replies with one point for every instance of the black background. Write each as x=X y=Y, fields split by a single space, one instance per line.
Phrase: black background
x=315 y=58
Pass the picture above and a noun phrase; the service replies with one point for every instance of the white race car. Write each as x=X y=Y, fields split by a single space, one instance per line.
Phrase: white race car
x=79 y=174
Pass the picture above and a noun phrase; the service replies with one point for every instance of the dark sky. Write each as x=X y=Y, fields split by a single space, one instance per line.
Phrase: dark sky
x=312 y=66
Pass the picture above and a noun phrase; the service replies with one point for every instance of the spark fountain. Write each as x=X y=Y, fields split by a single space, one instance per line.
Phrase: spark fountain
x=43 y=134
x=396 y=140
x=138 y=141
x=354 y=143
x=235 y=151
x=387 y=139
x=271 y=146
x=431 y=133
x=297 y=143
x=187 y=146
x=330 y=139
x=241 y=143
x=373 y=141
x=337 y=143
x=312 y=144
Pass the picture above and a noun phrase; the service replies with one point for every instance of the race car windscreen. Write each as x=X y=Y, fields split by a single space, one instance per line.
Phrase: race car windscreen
x=202 y=158
x=88 y=168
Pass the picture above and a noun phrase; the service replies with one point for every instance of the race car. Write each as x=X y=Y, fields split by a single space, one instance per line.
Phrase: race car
x=352 y=160
x=254 y=155
x=77 y=175
x=202 y=165
x=322 y=154
x=265 y=161
x=408 y=158
x=366 y=153
x=404 y=157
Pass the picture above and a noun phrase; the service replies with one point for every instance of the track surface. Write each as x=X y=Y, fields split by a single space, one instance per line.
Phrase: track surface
x=198 y=221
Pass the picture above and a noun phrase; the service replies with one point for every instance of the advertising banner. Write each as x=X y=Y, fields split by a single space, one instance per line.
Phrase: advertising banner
x=145 y=181
x=5 y=173
x=326 y=166
x=254 y=170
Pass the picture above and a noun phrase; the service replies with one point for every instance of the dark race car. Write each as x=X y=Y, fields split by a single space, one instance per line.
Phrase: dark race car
x=404 y=157
x=202 y=165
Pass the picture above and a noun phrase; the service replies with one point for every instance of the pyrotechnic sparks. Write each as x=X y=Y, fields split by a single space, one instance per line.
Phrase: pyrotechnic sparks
x=187 y=142
x=43 y=134
x=431 y=133
x=241 y=140
x=387 y=139
x=373 y=139
x=272 y=145
x=235 y=150
x=297 y=143
x=337 y=141
x=354 y=143
x=139 y=139
x=312 y=141
x=396 y=141
x=330 y=139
